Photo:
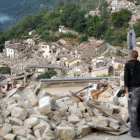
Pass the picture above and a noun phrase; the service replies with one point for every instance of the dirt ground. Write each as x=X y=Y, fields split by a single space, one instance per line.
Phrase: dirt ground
x=105 y=136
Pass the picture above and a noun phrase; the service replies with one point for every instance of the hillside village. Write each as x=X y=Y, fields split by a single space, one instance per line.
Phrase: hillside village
x=82 y=94
x=66 y=58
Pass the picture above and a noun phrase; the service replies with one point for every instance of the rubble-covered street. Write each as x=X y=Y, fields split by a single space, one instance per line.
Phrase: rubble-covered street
x=25 y=116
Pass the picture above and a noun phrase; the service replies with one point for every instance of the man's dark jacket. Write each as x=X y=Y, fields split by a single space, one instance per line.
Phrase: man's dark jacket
x=132 y=74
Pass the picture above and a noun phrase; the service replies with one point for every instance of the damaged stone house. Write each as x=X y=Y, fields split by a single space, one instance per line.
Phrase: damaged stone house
x=78 y=70
x=92 y=49
x=48 y=49
x=14 y=49
x=72 y=61
x=40 y=67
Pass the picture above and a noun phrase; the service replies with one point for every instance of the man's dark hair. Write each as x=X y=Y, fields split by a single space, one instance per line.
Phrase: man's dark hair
x=134 y=54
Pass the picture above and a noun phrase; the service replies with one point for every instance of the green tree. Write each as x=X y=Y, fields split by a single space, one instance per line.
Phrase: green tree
x=120 y=18
x=137 y=28
x=116 y=37
x=48 y=74
x=83 y=38
x=66 y=12
x=95 y=26
x=5 y=70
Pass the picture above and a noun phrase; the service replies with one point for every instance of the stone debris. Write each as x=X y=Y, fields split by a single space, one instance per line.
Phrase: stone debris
x=24 y=116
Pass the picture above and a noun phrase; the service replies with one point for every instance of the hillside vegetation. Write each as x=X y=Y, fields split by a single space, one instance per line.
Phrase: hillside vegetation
x=109 y=26
x=17 y=9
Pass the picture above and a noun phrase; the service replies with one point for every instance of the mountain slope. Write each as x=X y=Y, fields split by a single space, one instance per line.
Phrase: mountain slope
x=17 y=9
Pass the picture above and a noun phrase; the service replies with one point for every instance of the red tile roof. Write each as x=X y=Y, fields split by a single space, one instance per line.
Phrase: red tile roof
x=92 y=44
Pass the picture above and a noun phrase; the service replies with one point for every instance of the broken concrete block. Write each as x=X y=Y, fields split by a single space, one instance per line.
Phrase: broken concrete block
x=56 y=117
x=9 y=136
x=11 y=101
x=65 y=133
x=41 y=124
x=76 y=111
x=114 y=100
x=82 y=122
x=73 y=119
x=1 y=120
x=5 y=113
x=102 y=118
x=21 y=131
x=31 y=96
x=32 y=112
x=45 y=118
x=48 y=132
x=123 y=101
x=114 y=126
x=15 y=121
x=10 y=107
x=45 y=105
x=17 y=97
x=28 y=104
x=11 y=92
x=31 y=122
x=46 y=138
x=61 y=104
x=62 y=111
x=39 y=132
x=100 y=121
x=82 y=107
x=30 y=137
x=19 y=113
x=20 y=138
x=86 y=115
x=50 y=114
x=84 y=130
x=124 y=117
x=5 y=130
x=53 y=125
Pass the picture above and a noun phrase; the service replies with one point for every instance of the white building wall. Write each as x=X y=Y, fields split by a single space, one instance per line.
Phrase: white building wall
x=10 y=52
x=46 y=50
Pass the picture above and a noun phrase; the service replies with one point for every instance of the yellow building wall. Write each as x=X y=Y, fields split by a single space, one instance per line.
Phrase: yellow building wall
x=74 y=62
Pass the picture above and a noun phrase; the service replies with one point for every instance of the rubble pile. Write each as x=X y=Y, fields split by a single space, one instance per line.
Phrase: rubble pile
x=124 y=4
x=24 y=117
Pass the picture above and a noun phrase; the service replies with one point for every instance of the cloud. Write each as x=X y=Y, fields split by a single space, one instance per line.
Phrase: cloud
x=4 y=17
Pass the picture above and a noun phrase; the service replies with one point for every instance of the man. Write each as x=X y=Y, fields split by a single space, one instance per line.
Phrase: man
x=132 y=85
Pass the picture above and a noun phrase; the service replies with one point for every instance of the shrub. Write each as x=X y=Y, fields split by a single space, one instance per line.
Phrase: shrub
x=5 y=70
x=83 y=38
x=48 y=74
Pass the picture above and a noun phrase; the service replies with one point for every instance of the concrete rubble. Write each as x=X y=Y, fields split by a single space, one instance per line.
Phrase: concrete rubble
x=24 y=116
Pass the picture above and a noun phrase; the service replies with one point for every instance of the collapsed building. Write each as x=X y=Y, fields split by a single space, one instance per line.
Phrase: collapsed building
x=27 y=115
